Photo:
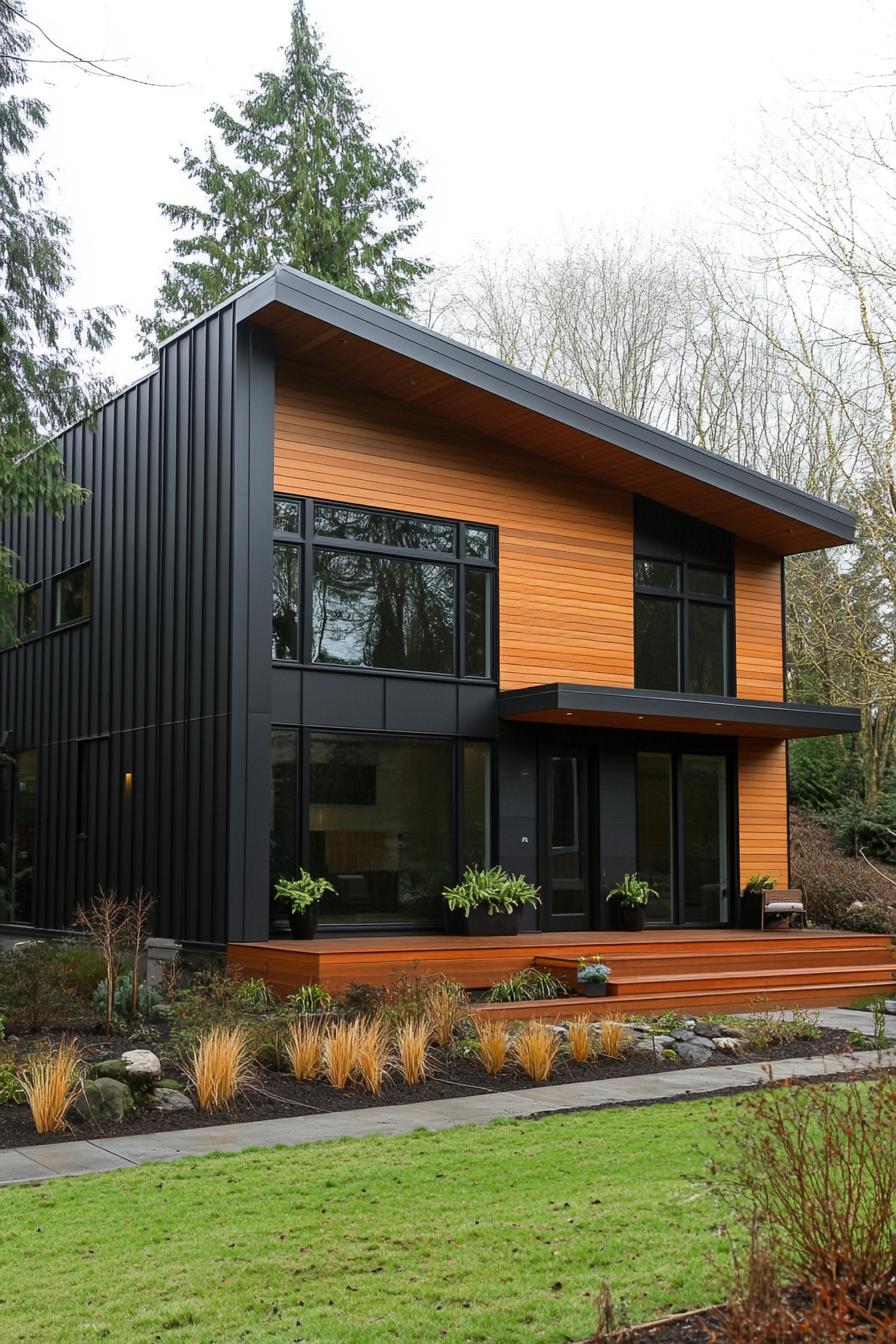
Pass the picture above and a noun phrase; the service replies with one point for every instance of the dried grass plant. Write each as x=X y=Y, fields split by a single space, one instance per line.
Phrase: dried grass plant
x=340 y=1053
x=447 y=1007
x=611 y=1039
x=493 y=1035
x=535 y=1049
x=375 y=1058
x=412 y=1043
x=303 y=1044
x=50 y=1083
x=580 y=1039
x=219 y=1067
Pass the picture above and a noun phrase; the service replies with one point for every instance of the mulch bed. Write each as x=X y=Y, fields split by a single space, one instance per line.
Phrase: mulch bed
x=278 y=1096
x=708 y=1325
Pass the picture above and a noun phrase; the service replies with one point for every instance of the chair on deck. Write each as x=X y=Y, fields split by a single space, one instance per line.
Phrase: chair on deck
x=783 y=903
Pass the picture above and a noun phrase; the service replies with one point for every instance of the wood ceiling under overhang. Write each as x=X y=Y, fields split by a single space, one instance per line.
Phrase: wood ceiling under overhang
x=386 y=372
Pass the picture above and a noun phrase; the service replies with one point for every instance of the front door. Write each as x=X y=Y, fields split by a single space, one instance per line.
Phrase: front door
x=566 y=784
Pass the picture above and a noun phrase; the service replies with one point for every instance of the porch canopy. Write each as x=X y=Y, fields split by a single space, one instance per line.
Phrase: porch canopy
x=671 y=711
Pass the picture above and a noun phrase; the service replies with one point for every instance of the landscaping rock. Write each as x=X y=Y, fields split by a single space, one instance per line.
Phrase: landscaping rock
x=731 y=1045
x=645 y=1046
x=109 y=1068
x=662 y=1040
x=168 y=1099
x=705 y=1027
x=102 y=1101
x=173 y=1083
x=890 y=1006
x=683 y=1035
x=142 y=1067
x=693 y=1052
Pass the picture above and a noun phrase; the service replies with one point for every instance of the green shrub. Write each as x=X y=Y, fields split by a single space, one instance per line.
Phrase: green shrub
x=873 y=833
x=36 y=988
x=147 y=998
x=310 y=999
x=253 y=996
x=530 y=983
x=10 y=1088
x=492 y=889
x=822 y=774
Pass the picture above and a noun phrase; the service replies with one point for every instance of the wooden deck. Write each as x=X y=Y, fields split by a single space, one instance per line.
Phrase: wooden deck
x=651 y=971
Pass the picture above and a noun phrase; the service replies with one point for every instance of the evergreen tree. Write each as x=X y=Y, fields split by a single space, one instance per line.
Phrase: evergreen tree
x=43 y=382
x=294 y=178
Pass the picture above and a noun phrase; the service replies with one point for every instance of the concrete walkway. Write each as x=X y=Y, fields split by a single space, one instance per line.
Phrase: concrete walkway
x=43 y=1162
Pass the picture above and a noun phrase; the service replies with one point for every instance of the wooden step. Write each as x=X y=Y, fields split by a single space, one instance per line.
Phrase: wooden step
x=760 y=981
x=664 y=962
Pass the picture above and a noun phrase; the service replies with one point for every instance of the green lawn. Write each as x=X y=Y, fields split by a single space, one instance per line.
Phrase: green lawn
x=499 y=1234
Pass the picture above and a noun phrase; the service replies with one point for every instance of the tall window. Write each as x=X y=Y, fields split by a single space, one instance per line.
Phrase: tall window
x=389 y=820
x=683 y=847
x=72 y=595
x=359 y=587
x=18 y=818
x=683 y=603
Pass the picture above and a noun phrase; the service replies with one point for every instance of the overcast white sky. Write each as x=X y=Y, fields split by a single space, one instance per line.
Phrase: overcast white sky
x=532 y=118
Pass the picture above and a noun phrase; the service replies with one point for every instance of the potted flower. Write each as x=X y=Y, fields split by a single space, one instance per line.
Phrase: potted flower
x=632 y=895
x=301 y=895
x=751 y=899
x=488 y=901
x=592 y=976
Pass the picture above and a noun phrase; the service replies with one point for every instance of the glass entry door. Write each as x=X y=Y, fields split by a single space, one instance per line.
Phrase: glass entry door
x=683 y=830
x=565 y=895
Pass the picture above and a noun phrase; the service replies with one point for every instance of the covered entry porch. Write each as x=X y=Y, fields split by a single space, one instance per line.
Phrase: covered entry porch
x=658 y=969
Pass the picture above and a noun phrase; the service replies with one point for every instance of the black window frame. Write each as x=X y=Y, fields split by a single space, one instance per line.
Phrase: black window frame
x=22 y=636
x=647 y=550
x=307 y=542
x=55 y=623
x=301 y=827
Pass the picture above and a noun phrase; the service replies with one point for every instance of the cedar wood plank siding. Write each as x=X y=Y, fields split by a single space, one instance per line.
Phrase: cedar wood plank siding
x=565 y=557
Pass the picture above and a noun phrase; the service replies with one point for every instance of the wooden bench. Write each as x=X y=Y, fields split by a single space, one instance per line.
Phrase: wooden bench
x=782 y=903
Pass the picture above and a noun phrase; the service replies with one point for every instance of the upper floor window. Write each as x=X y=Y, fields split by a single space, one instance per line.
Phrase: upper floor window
x=72 y=595
x=356 y=587
x=683 y=603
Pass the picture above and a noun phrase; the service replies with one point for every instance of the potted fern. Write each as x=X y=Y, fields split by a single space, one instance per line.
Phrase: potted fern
x=631 y=896
x=488 y=901
x=301 y=895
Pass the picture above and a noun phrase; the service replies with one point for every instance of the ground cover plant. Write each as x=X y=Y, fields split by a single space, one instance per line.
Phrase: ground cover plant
x=499 y=1235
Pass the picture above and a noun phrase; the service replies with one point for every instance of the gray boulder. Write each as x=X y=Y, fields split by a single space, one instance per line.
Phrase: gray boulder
x=142 y=1068
x=167 y=1099
x=109 y=1068
x=683 y=1035
x=173 y=1083
x=890 y=1006
x=704 y=1026
x=102 y=1101
x=729 y=1045
x=694 y=1052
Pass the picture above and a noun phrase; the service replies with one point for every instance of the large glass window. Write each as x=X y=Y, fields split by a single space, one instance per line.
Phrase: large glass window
x=382 y=590
x=682 y=603
x=683 y=835
x=29 y=612
x=72 y=596
x=18 y=818
x=390 y=821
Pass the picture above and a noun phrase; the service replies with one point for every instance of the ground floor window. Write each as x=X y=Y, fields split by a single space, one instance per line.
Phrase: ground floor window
x=18 y=822
x=683 y=835
x=388 y=820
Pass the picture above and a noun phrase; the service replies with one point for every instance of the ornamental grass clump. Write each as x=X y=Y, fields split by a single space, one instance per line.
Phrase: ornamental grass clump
x=303 y=1044
x=50 y=1083
x=493 y=1035
x=340 y=1053
x=412 y=1043
x=580 y=1039
x=219 y=1067
x=374 y=1059
x=446 y=1007
x=611 y=1039
x=535 y=1050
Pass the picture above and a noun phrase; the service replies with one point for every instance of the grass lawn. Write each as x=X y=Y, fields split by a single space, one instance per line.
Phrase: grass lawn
x=499 y=1234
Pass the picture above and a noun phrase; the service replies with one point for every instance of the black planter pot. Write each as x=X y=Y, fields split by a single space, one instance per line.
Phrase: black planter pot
x=304 y=922
x=480 y=924
x=632 y=917
x=593 y=989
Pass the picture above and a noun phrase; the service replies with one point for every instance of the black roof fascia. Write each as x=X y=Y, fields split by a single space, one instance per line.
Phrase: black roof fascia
x=357 y=316
x=783 y=714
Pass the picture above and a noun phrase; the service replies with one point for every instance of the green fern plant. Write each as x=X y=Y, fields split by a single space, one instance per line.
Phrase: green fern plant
x=499 y=892
x=528 y=984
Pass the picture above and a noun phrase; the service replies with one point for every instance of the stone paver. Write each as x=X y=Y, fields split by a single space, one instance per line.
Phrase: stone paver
x=42 y=1162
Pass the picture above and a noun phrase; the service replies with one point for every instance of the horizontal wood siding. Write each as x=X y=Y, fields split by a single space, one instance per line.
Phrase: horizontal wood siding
x=762 y=810
x=759 y=634
x=565 y=544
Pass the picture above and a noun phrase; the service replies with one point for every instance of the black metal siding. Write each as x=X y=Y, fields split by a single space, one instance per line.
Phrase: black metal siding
x=148 y=678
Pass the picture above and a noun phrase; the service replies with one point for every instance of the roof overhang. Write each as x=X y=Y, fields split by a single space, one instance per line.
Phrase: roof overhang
x=342 y=335
x=667 y=711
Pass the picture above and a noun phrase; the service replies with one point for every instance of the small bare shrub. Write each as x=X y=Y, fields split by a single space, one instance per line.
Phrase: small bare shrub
x=612 y=1038
x=814 y=1171
x=139 y=924
x=446 y=1006
x=580 y=1039
x=303 y=1044
x=493 y=1034
x=50 y=1083
x=374 y=1054
x=219 y=1067
x=535 y=1049
x=340 y=1053
x=412 y=1041
x=108 y=923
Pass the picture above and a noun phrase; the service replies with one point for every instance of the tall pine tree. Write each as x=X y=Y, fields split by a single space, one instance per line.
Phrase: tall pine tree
x=295 y=178
x=46 y=378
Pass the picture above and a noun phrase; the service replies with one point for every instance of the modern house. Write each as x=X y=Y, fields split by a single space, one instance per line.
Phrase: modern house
x=350 y=595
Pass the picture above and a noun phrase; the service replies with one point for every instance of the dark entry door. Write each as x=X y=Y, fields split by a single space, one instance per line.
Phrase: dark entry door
x=565 y=890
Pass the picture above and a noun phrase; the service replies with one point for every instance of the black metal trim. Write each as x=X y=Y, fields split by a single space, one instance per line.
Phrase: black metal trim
x=781 y=715
x=357 y=316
